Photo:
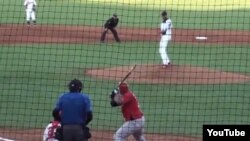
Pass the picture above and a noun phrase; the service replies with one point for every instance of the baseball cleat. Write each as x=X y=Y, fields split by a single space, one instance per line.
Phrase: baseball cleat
x=164 y=66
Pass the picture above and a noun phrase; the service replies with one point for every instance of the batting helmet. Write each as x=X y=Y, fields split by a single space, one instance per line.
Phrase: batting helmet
x=164 y=13
x=75 y=85
x=123 y=87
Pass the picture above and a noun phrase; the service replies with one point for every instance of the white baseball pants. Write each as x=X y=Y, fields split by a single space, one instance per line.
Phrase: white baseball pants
x=134 y=127
x=163 y=49
x=30 y=14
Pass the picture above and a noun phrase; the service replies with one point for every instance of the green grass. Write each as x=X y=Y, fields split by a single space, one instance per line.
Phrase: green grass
x=184 y=14
x=210 y=5
x=34 y=76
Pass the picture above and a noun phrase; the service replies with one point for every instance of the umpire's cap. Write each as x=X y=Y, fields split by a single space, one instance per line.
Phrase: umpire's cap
x=75 y=85
x=164 y=13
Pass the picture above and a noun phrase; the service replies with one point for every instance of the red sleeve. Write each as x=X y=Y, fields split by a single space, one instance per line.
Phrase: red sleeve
x=126 y=98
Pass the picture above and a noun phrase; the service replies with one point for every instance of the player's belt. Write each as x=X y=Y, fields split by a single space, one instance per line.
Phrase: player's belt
x=135 y=118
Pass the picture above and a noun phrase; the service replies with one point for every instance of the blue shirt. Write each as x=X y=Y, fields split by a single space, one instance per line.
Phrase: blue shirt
x=74 y=108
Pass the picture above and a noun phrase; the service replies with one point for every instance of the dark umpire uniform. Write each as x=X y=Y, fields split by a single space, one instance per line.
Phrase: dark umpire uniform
x=76 y=112
x=110 y=25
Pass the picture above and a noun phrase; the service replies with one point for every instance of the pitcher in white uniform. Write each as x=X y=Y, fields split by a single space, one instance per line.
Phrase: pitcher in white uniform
x=166 y=34
x=30 y=7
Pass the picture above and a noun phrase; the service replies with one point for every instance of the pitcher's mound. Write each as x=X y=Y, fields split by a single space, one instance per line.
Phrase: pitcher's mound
x=174 y=74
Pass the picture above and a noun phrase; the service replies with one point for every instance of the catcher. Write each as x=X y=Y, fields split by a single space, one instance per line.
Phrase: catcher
x=53 y=131
x=51 y=128
x=133 y=116
x=110 y=25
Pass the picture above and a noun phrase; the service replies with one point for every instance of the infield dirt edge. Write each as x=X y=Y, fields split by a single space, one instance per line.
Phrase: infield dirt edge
x=174 y=74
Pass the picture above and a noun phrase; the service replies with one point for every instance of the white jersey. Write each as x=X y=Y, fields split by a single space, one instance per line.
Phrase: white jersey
x=49 y=132
x=29 y=4
x=167 y=26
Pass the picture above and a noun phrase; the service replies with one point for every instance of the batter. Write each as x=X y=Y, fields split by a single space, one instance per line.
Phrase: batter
x=133 y=116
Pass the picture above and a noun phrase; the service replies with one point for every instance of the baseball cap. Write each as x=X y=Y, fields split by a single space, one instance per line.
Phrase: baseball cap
x=115 y=15
x=164 y=13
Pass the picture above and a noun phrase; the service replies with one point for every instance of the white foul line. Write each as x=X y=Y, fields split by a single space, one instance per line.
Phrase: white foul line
x=4 y=139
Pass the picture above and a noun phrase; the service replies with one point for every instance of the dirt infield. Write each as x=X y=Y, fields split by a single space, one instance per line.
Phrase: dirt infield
x=174 y=74
x=23 y=34
x=37 y=134
x=144 y=73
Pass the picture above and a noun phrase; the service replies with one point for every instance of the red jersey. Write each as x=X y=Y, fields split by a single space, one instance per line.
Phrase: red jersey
x=130 y=107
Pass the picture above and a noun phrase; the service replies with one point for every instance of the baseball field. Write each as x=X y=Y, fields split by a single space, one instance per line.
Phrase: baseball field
x=208 y=83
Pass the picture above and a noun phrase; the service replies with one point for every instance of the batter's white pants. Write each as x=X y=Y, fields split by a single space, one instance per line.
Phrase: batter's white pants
x=163 y=49
x=30 y=14
x=134 y=127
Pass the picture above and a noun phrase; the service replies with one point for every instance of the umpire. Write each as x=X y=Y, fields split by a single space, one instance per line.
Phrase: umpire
x=110 y=24
x=76 y=112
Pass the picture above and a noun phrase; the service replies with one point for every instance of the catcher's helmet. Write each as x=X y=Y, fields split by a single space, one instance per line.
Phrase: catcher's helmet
x=164 y=13
x=75 y=85
x=123 y=87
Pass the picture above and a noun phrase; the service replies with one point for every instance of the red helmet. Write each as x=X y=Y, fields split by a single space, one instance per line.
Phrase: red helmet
x=123 y=87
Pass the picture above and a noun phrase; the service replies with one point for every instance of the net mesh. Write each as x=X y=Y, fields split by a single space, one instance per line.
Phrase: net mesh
x=205 y=82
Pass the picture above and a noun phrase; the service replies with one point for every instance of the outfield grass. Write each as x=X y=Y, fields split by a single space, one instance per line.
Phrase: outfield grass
x=34 y=76
x=210 y=5
x=185 y=14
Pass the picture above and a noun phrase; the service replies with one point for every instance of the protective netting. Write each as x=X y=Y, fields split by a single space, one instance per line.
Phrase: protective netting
x=204 y=81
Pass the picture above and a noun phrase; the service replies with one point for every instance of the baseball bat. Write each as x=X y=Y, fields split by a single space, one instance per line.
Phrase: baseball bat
x=128 y=74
